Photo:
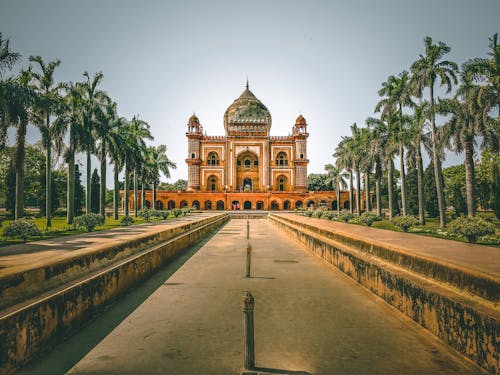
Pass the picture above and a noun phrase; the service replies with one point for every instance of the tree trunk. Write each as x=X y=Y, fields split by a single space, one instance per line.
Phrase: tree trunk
x=89 y=190
x=377 y=193
x=143 y=194
x=469 y=178
x=367 y=192
x=136 y=196
x=126 y=191
x=351 y=205
x=102 y=195
x=338 y=199
x=48 y=187
x=403 y=178
x=19 y=168
x=420 y=186
x=70 y=205
x=358 y=192
x=436 y=162
x=116 y=193
x=154 y=196
x=389 y=188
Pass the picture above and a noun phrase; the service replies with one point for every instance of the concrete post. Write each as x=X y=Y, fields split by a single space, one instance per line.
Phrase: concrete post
x=249 y=260
x=248 y=303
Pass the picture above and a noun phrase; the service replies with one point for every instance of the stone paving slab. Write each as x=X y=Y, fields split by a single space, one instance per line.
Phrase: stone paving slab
x=309 y=318
x=481 y=258
x=20 y=257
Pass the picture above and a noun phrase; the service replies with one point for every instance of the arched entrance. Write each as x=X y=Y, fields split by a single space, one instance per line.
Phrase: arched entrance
x=207 y=205
x=247 y=205
x=196 y=205
x=171 y=205
x=286 y=205
x=346 y=205
x=298 y=204
x=220 y=205
x=260 y=205
x=159 y=205
x=183 y=204
x=213 y=183
x=247 y=171
x=334 y=205
x=235 y=205
x=247 y=184
x=310 y=204
x=275 y=206
x=281 y=183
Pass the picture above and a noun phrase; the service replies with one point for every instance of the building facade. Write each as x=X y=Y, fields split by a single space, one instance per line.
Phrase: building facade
x=247 y=168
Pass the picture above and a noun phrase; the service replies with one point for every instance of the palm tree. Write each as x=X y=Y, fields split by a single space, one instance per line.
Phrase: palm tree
x=336 y=177
x=467 y=122
x=158 y=162
x=397 y=95
x=115 y=145
x=8 y=58
x=428 y=70
x=375 y=154
x=485 y=73
x=343 y=155
x=46 y=106
x=93 y=102
x=418 y=121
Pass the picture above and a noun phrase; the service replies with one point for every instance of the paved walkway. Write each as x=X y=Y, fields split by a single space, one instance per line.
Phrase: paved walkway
x=19 y=257
x=477 y=257
x=309 y=318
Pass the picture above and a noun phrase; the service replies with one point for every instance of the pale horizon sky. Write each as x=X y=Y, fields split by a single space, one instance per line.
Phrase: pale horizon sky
x=164 y=60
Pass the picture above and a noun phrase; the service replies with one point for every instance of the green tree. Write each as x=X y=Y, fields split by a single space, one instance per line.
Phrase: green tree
x=344 y=156
x=156 y=161
x=336 y=177
x=317 y=182
x=46 y=106
x=428 y=70
x=455 y=191
x=95 y=186
x=79 y=194
x=430 y=192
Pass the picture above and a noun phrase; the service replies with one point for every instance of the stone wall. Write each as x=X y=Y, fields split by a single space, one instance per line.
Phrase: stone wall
x=467 y=319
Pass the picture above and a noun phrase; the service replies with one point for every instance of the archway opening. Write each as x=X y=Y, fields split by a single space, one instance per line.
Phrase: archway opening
x=298 y=204
x=171 y=205
x=310 y=204
x=183 y=204
x=346 y=205
x=334 y=205
x=260 y=205
x=220 y=205
x=247 y=205
x=235 y=205
x=159 y=205
x=275 y=206
x=286 y=205
x=148 y=204
x=207 y=205
x=196 y=205
x=247 y=184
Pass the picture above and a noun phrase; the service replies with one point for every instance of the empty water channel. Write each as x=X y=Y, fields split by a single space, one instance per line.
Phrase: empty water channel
x=309 y=318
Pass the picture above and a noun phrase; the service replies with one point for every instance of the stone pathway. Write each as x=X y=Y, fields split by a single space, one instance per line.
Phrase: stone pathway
x=309 y=318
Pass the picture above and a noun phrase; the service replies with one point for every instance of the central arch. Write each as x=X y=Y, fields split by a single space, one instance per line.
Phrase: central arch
x=247 y=171
x=247 y=205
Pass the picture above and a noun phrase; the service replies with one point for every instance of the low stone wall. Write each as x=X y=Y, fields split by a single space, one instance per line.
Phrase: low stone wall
x=26 y=330
x=467 y=322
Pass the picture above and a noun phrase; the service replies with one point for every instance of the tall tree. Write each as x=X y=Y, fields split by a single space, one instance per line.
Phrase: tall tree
x=337 y=178
x=343 y=154
x=428 y=70
x=157 y=161
x=42 y=78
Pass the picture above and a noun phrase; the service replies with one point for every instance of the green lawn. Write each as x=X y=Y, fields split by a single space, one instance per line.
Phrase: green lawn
x=60 y=228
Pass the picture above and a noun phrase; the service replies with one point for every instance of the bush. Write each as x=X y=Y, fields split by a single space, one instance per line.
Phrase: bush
x=405 y=222
x=308 y=213
x=471 y=228
x=368 y=218
x=177 y=212
x=21 y=229
x=88 y=221
x=126 y=221
x=345 y=216
x=317 y=213
x=328 y=215
x=186 y=210
x=146 y=214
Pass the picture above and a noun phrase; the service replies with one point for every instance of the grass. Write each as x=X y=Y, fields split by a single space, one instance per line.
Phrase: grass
x=60 y=228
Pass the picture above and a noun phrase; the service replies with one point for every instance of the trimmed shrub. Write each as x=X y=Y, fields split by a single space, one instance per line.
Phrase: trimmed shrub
x=328 y=215
x=308 y=213
x=126 y=221
x=368 y=218
x=345 y=216
x=146 y=214
x=405 y=222
x=317 y=213
x=471 y=228
x=88 y=221
x=177 y=212
x=21 y=229
x=186 y=211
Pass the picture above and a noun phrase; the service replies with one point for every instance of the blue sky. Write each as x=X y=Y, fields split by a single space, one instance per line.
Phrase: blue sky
x=165 y=60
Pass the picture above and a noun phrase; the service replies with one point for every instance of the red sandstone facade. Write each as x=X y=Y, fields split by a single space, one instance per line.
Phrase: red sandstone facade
x=247 y=168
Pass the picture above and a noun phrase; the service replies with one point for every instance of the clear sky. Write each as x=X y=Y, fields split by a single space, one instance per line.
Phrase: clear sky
x=165 y=60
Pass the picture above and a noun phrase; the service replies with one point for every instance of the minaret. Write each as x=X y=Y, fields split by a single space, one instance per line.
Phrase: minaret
x=194 y=135
x=300 y=136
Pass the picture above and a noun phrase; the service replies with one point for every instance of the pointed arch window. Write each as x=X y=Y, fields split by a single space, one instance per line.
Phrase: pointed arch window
x=213 y=158
x=281 y=159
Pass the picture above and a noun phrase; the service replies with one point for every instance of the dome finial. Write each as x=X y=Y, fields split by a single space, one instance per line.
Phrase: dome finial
x=248 y=86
